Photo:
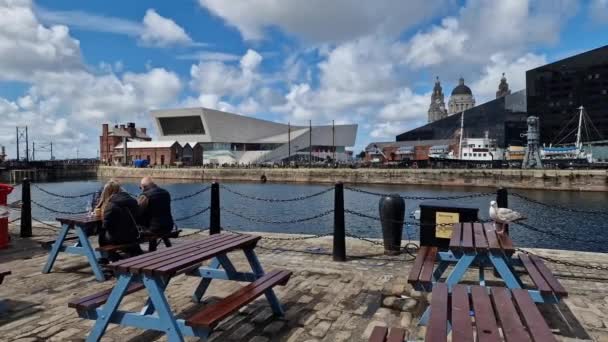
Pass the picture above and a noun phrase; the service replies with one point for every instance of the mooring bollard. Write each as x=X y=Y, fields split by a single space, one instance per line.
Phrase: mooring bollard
x=502 y=200
x=214 y=217
x=26 y=209
x=392 y=216
x=339 y=251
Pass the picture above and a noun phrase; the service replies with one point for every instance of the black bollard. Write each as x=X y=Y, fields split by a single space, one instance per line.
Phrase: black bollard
x=392 y=215
x=339 y=251
x=502 y=200
x=214 y=217
x=26 y=209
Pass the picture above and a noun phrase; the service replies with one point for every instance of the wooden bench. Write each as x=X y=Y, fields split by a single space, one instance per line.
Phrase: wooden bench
x=492 y=314
x=543 y=278
x=152 y=239
x=382 y=334
x=48 y=243
x=211 y=315
x=421 y=273
x=3 y=273
x=98 y=299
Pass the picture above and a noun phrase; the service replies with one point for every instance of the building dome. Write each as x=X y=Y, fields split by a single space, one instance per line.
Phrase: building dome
x=462 y=89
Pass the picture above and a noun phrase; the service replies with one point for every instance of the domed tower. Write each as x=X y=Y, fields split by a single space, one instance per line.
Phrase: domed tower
x=437 y=109
x=503 y=87
x=461 y=98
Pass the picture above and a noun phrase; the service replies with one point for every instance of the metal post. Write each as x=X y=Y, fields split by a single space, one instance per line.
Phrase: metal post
x=289 y=142
x=27 y=147
x=33 y=150
x=309 y=143
x=339 y=251
x=52 y=151
x=214 y=217
x=17 y=134
x=333 y=138
x=26 y=209
x=502 y=200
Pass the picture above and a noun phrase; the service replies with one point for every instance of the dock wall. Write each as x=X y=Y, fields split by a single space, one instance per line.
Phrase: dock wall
x=49 y=174
x=576 y=180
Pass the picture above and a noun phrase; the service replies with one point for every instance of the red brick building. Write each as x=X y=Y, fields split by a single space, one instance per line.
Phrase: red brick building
x=112 y=136
x=158 y=153
x=386 y=152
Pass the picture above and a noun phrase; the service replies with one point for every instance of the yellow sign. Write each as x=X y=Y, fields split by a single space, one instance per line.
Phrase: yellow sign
x=443 y=229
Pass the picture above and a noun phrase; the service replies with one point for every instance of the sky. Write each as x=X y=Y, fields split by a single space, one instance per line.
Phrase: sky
x=67 y=66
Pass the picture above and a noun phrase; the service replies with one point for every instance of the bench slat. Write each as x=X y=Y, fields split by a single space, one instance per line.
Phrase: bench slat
x=417 y=266
x=535 y=275
x=506 y=243
x=492 y=238
x=548 y=276
x=426 y=275
x=512 y=328
x=439 y=315
x=467 y=236
x=456 y=236
x=480 y=237
x=396 y=335
x=539 y=330
x=49 y=242
x=485 y=321
x=462 y=328
x=213 y=314
x=378 y=334
x=98 y=299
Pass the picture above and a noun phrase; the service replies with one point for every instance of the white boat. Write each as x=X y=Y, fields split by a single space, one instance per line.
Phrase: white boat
x=574 y=152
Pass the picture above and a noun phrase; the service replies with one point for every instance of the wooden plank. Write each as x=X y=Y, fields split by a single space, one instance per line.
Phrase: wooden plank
x=172 y=266
x=539 y=330
x=485 y=321
x=437 y=329
x=548 y=276
x=505 y=243
x=378 y=334
x=467 y=236
x=79 y=219
x=426 y=275
x=492 y=238
x=513 y=329
x=396 y=335
x=455 y=240
x=3 y=273
x=211 y=315
x=98 y=299
x=481 y=244
x=417 y=266
x=539 y=281
x=462 y=326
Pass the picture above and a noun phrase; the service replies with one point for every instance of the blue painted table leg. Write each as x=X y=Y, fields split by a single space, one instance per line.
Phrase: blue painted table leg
x=55 y=249
x=482 y=279
x=202 y=287
x=101 y=324
x=90 y=254
x=443 y=265
x=424 y=319
x=148 y=309
x=460 y=269
x=258 y=270
x=166 y=319
x=505 y=271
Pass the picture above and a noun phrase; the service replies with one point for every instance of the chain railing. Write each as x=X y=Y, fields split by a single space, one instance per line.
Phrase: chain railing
x=259 y=220
x=559 y=235
x=88 y=194
x=57 y=211
x=565 y=263
x=200 y=212
x=422 y=198
x=557 y=207
x=196 y=193
x=293 y=199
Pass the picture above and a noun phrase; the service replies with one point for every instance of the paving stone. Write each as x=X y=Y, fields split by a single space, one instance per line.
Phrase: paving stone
x=259 y=339
x=320 y=329
x=274 y=327
x=243 y=330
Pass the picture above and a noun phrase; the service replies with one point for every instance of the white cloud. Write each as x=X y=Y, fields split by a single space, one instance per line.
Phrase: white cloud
x=435 y=46
x=161 y=31
x=598 y=11
x=207 y=56
x=323 y=21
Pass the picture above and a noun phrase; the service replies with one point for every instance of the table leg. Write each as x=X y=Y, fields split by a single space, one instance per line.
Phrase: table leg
x=156 y=292
x=258 y=270
x=505 y=272
x=200 y=290
x=482 y=278
x=55 y=249
x=460 y=269
x=101 y=324
x=90 y=254
x=148 y=309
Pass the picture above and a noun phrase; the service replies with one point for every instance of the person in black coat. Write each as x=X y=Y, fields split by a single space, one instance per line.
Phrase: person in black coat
x=118 y=211
x=154 y=208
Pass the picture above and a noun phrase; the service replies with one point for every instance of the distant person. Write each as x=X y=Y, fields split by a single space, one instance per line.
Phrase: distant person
x=118 y=211
x=154 y=208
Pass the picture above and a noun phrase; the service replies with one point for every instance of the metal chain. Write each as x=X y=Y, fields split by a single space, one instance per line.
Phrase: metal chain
x=360 y=214
x=423 y=198
x=15 y=220
x=297 y=238
x=55 y=228
x=62 y=196
x=192 y=194
x=592 y=212
x=258 y=220
x=299 y=198
x=58 y=211
x=565 y=263
x=557 y=235
x=200 y=212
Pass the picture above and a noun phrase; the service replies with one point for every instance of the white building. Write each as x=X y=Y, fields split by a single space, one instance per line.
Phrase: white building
x=237 y=139
x=461 y=98
x=481 y=149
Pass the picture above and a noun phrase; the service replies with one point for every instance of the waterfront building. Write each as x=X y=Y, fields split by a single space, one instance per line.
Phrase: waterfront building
x=227 y=138
x=398 y=151
x=480 y=149
x=461 y=98
x=158 y=153
x=113 y=136
x=437 y=109
x=555 y=92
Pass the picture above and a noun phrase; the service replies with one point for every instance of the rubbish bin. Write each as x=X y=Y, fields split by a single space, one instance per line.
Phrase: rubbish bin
x=436 y=219
x=4 y=237
x=392 y=215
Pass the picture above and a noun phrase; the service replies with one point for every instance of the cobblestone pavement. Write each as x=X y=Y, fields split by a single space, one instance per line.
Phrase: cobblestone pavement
x=324 y=300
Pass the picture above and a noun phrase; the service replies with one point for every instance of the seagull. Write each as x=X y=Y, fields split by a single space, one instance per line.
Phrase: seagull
x=503 y=215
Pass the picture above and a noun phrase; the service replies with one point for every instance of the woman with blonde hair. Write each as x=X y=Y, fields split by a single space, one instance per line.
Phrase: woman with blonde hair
x=118 y=210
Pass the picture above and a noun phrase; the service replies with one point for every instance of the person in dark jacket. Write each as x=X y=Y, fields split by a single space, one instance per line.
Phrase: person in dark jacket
x=155 y=208
x=118 y=211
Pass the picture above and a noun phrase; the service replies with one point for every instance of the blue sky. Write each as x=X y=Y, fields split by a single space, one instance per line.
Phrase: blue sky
x=69 y=66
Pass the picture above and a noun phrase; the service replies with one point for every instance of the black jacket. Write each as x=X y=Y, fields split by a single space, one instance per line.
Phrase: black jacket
x=119 y=225
x=156 y=215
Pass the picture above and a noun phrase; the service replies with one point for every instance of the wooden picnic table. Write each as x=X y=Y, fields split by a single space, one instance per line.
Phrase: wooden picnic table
x=80 y=224
x=153 y=271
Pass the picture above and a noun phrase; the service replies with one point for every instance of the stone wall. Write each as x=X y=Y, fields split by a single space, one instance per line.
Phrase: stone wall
x=579 y=180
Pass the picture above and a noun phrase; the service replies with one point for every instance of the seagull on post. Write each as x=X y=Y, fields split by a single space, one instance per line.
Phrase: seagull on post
x=503 y=215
